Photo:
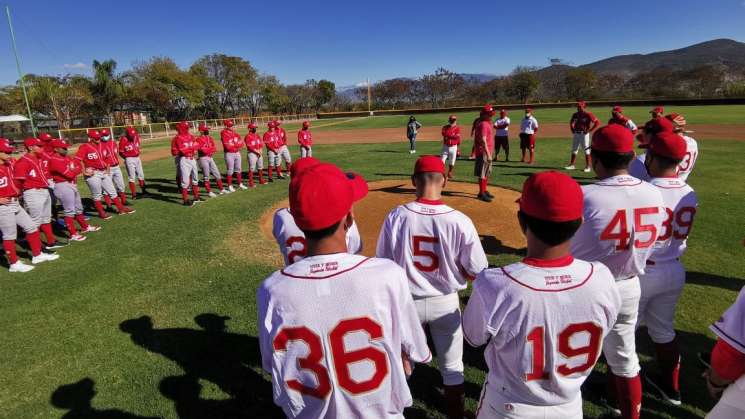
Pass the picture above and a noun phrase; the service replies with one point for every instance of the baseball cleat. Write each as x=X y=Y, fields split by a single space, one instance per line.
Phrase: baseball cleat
x=487 y=193
x=212 y=194
x=570 y=167
x=669 y=394
x=56 y=245
x=77 y=238
x=91 y=229
x=43 y=257
x=224 y=191
x=242 y=186
x=187 y=203
x=231 y=188
x=127 y=210
x=586 y=170
x=20 y=267
x=483 y=197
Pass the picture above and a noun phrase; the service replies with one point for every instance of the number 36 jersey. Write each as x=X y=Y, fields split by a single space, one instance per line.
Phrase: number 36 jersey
x=437 y=246
x=544 y=321
x=622 y=219
x=331 y=331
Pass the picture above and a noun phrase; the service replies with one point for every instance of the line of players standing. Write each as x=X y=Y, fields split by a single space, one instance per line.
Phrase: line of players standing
x=192 y=153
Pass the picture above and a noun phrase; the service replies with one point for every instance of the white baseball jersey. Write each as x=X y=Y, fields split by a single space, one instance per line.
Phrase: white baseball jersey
x=680 y=209
x=502 y=132
x=630 y=125
x=637 y=169
x=622 y=218
x=544 y=322
x=291 y=239
x=437 y=246
x=331 y=332
x=731 y=329
x=528 y=125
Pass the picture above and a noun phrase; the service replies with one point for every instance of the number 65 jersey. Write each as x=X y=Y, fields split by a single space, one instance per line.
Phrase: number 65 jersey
x=331 y=331
x=544 y=321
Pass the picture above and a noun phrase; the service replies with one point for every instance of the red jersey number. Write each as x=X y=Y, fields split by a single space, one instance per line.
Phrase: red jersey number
x=617 y=229
x=687 y=161
x=677 y=224
x=293 y=254
x=590 y=351
x=433 y=259
x=341 y=357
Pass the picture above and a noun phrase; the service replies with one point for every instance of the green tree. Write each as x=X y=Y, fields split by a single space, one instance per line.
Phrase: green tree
x=62 y=98
x=106 y=87
x=580 y=83
x=326 y=92
x=229 y=82
x=522 y=84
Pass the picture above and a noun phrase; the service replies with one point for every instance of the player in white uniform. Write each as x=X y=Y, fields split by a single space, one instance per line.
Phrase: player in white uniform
x=677 y=124
x=290 y=238
x=336 y=329
x=664 y=276
x=544 y=319
x=528 y=130
x=450 y=143
x=501 y=135
x=622 y=218
x=439 y=248
x=726 y=375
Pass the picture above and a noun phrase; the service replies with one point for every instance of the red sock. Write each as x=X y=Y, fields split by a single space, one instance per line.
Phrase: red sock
x=270 y=172
x=107 y=199
x=70 y=223
x=668 y=358
x=99 y=208
x=240 y=178
x=261 y=179
x=47 y=229
x=123 y=198
x=207 y=186
x=573 y=159
x=81 y=221
x=118 y=204
x=230 y=180
x=34 y=241
x=288 y=166
x=629 y=396
x=482 y=186
x=219 y=183
x=195 y=192
x=279 y=170
x=142 y=183
x=251 y=179
x=10 y=251
x=184 y=194
x=133 y=189
x=532 y=156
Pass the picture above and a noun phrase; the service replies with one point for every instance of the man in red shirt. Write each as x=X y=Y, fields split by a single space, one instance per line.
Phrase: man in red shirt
x=207 y=149
x=484 y=142
x=450 y=143
x=129 y=149
x=305 y=139
x=111 y=156
x=582 y=124
x=232 y=144
x=272 y=142
x=255 y=147
x=188 y=148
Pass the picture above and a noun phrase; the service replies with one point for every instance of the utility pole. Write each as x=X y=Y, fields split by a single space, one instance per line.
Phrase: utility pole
x=369 y=98
x=20 y=73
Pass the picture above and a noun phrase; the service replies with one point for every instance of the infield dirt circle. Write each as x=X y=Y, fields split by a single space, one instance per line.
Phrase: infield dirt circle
x=496 y=221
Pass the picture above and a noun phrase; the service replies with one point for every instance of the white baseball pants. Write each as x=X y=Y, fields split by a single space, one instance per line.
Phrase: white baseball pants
x=442 y=315
x=38 y=203
x=12 y=216
x=233 y=163
x=189 y=172
x=661 y=286
x=117 y=178
x=449 y=154
x=255 y=161
x=581 y=142
x=209 y=167
x=100 y=182
x=499 y=405
x=306 y=152
x=619 y=347
x=134 y=168
x=284 y=154
x=68 y=194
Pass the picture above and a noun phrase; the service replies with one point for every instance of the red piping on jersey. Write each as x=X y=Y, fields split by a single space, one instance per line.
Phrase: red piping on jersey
x=634 y=184
x=423 y=213
x=670 y=187
x=429 y=201
x=592 y=270
x=550 y=263
x=327 y=276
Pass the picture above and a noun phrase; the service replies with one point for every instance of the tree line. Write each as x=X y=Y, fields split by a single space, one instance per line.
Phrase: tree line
x=214 y=86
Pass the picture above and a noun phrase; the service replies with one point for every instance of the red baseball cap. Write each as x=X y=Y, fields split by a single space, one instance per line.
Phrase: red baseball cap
x=429 y=164
x=581 y=104
x=204 y=128
x=302 y=164
x=131 y=131
x=552 y=196
x=32 y=142
x=94 y=134
x=658 y=125
x=618 y=109
x=45 y=136
x=306 y=124
x=228 y=123
x=668 y=144
x=658 y=109
x=528 y=109
x=277 y=122
x=6 y=146
x=252 y=126
x=613 y=138
x=271 y=124
x=324 y=195
x=105 y=132
x=502 y=112
x=488 y=109
x=60 y=143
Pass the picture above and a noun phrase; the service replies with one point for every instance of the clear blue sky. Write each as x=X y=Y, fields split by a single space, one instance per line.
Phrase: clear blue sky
x=348 y=41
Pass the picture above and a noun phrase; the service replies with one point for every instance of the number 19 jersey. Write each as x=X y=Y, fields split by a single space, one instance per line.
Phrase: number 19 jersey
x=544 y=321
x=621 y=221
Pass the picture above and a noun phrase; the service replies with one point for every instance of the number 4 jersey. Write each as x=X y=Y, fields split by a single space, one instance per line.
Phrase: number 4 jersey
x=544 y=321
x=332 y=329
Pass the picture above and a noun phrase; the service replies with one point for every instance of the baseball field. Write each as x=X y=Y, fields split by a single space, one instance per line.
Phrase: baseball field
x=155 y=315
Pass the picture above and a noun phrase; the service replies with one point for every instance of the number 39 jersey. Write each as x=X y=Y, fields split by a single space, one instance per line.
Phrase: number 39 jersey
x=680 y=209
x=331 y=332
x=544 y=321
x=291 y=240
x=623 y=216
x=437 y=246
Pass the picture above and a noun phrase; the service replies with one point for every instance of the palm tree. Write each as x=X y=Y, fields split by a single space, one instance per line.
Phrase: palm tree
x=107 y=87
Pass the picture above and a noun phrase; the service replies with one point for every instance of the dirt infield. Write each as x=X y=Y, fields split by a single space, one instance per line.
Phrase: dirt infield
x=495 y=221
x=389 y=135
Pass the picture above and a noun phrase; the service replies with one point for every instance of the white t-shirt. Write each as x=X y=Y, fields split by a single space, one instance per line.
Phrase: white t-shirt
x=331 y=332
x=637 y=169
x=544 y=323
x=731 y=329
x=622 y=219
x=528 y=125
x=438 y=247
x=291 y=240
x=502 y=132
x=680 y=208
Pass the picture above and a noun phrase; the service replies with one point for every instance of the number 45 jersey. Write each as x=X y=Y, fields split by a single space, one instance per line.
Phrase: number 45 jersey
x=622 y=218
x=332 y=329
x=544 y=321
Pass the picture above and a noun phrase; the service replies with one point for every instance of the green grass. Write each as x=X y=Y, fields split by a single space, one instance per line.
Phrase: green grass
x=62 y=323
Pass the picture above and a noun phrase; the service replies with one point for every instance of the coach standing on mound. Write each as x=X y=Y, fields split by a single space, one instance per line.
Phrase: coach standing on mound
x=582 y=124
x=484 y=144
x=450 y=143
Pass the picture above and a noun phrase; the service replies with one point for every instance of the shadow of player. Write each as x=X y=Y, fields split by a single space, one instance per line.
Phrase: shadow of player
x=494 y=246
x=77 y=397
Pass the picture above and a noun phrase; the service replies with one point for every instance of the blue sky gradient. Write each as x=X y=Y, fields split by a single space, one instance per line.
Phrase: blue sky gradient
x=347 y=42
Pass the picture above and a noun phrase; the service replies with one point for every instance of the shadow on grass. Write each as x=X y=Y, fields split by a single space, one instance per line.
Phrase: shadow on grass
x=711 y=280
x=494 y=246
x=76 y=399
x=229 y=360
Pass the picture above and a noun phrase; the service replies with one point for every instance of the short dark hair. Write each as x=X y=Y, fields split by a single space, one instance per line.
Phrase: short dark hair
x=428 y=177
x=550 y=232
x=664 y=161
x=322 y=233
x=613 y=161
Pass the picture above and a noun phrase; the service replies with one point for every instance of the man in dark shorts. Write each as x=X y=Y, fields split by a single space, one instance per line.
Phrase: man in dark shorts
x=483 y=140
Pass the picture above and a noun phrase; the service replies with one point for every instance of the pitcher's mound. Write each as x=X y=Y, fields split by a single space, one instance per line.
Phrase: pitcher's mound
x=495 y=221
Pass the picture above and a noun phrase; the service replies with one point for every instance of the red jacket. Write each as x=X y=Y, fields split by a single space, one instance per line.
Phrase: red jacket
x=232 y=143
x=304 y=138
x=91 y=155
x=8 y=186
x=129 y=148
x=207 y=146
x=64 y=168
x=583 y=122
x=451 y=135
x=272 y=140
x=254 y=143
x=30 y=173
x=282 y=137
x=187 y=145
x=174 y=149
x=110 y=153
